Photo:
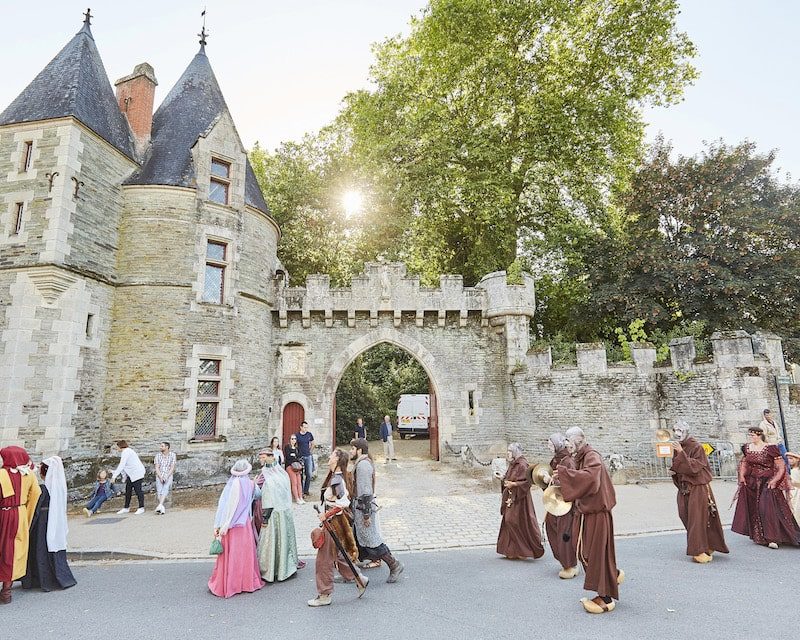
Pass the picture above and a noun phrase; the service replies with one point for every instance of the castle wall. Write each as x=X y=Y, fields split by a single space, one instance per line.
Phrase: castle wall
x=620 y=406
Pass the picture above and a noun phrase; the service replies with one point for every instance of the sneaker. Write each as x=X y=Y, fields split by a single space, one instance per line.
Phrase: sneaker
x=320 y=601
x=139 y=511
x=124 y=510
x=88 y=513
x=773 y=545
x=160 y=510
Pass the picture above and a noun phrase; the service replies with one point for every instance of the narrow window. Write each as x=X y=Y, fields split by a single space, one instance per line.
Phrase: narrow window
x=216 y=263
x=27 y=156
x=220 y=181
x=19 y=209
x=208 y=397
x=471 y=402
x=89 y=325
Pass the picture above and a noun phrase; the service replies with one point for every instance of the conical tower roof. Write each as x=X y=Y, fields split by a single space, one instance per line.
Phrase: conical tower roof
x=189 y=111
x=74 y=83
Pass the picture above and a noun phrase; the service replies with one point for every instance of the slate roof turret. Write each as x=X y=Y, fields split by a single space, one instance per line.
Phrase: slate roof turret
x=190 y=109
x=74 y=83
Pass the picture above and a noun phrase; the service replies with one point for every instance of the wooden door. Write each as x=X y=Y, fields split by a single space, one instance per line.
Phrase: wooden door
x=293 y=415
x=433 y=422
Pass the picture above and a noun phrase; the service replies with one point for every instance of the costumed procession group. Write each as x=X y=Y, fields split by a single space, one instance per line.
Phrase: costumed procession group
x=580 y=528
x=254 y=535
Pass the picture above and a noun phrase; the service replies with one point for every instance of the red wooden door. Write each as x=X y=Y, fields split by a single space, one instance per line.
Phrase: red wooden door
x=433 y=423
x=293 y=415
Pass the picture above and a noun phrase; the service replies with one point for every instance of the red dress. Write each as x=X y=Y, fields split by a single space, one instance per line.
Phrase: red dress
x=762 y=512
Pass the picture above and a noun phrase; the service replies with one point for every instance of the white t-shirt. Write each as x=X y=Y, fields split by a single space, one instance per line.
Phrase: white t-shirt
x=130 y=465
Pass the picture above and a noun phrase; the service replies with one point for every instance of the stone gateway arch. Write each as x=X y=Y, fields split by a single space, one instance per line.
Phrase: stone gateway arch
x=467 y=339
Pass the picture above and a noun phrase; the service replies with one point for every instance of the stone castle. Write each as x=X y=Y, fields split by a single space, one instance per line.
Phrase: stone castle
x=142 y=298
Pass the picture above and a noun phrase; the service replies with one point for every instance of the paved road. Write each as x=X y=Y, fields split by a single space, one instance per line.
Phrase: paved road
x=443 y=594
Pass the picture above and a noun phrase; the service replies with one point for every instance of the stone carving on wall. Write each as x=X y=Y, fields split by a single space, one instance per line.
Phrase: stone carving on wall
x=293 y=362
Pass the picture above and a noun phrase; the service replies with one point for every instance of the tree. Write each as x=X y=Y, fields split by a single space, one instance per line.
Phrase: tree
x=493 y=119
x=712 y=238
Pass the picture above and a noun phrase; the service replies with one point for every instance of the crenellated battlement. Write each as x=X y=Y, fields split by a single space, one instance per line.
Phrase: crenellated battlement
x=729 y=350
x=385 y=287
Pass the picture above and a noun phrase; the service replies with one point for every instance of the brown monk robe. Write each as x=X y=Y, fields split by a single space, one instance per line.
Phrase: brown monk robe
x=589 y=486
x=519 y=535
x=559 y=528
x=695 y=500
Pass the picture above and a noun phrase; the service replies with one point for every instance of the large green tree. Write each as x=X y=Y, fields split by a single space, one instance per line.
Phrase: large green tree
x=712 y=238
x=493 y=122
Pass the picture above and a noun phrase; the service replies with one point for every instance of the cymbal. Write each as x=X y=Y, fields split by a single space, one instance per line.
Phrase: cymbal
x=554 y=502
x=662 y=435
x=536 y=473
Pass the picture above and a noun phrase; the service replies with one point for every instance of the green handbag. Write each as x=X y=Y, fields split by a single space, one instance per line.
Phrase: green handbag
x=216 y=547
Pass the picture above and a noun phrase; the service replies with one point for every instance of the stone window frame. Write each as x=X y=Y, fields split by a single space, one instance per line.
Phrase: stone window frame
x=472 y=395
x=14 y=225
x=18 y=159
x=224 y=236
x=227 y=365
x=27 y=156
x=218 y=264
x=224 y=181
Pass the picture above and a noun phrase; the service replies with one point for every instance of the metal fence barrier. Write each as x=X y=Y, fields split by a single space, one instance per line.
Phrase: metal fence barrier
x=721 y=459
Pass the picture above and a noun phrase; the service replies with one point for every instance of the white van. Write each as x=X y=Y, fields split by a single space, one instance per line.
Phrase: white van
x=413 y=412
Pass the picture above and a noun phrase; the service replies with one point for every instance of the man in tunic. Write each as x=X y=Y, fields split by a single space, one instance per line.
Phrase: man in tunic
x=697 y=508
x=519 y=536
x=19 y=493
x=365 y=513
x=589 y=486
x=277 y=543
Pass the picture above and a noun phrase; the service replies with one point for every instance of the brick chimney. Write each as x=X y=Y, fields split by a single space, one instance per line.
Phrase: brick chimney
x=135 y=93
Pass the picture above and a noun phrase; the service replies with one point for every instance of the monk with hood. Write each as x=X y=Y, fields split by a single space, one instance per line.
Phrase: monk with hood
x=697 y=507
x=589 y=486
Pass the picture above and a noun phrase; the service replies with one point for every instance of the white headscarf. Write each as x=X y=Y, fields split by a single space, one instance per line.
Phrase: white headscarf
x=231 y=495
x=56 y=483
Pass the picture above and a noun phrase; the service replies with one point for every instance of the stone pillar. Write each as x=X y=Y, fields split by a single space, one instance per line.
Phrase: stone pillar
x=732 y=349
x=540 y=361
x=511 y=305
x=644 y=357
x=770 y=346
x=682 y=353
x=592 y=357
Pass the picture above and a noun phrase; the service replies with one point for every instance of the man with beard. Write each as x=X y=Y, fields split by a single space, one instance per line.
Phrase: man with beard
x=589 y=486
x=697 y=508
x=365 y=514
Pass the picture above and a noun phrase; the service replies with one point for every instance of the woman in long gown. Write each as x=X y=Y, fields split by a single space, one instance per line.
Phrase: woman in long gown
x=47 y=550
x=277 y=542
x=236 y=568
x=762 y=510
x=559 y=528
x=519 y=535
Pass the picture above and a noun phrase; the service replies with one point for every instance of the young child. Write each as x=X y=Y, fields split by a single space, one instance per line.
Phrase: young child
x=101 y=492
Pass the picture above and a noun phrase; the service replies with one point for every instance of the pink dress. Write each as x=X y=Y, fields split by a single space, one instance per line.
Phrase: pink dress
x=236 y=569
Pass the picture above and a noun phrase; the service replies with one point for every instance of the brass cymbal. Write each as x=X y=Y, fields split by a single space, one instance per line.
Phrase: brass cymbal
x=554 y=502
x=536 y=473
x=663 y=435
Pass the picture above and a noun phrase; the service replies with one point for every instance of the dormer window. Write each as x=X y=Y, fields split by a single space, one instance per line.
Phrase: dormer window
x=220 y=181
x=27 y=156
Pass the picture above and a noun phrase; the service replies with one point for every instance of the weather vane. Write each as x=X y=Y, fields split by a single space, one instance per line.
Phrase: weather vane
x=203 y=34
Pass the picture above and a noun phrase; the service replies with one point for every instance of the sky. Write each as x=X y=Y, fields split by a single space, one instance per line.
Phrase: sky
x=284 y=67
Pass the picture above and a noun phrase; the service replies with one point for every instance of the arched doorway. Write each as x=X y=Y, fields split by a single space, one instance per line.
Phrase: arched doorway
x=293 y=415
x=371 y=384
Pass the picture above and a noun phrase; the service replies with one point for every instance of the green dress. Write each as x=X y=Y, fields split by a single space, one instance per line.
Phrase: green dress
x=277 y=544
